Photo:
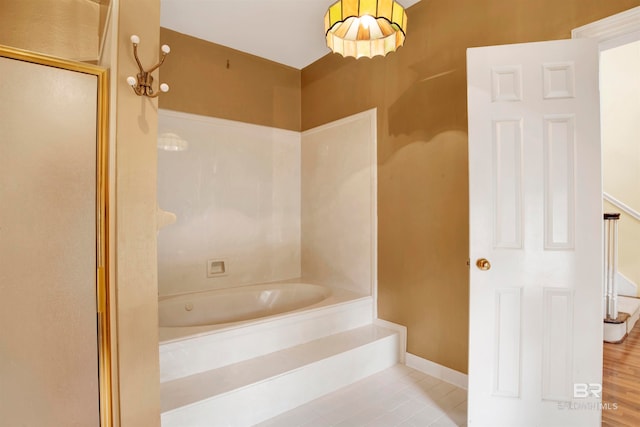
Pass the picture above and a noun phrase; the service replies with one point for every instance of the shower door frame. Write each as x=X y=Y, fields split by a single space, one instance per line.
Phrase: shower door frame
x=103 y=294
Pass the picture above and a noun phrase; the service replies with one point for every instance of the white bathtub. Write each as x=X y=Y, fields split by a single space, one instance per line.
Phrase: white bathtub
x=193 y=311
x=257 y=326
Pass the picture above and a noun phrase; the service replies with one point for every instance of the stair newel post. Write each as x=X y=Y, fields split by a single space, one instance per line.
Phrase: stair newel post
x=611 y=265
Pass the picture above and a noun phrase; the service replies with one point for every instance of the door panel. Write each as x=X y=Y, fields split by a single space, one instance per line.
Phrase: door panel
x=48 y=258
x=535 y=214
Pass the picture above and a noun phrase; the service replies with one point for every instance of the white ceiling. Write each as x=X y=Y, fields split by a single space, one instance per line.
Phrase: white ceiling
x=290 y=32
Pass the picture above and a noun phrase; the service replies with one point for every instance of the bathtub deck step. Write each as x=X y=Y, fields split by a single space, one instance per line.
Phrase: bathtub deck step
x=251 y=391
x=193 y=355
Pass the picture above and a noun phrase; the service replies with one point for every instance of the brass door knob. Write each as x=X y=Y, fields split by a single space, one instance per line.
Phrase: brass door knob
x=483 y=264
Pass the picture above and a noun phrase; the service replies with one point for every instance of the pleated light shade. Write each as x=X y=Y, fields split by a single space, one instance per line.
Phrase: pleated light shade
x=365 y=28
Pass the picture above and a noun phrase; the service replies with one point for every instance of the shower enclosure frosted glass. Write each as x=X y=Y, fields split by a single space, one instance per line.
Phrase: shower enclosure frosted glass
x=48 y=332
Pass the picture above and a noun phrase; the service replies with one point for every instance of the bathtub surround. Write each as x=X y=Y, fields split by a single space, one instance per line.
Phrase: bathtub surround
x=236 y=196
x=339 y=205
x=256 y=198
x=271 y=204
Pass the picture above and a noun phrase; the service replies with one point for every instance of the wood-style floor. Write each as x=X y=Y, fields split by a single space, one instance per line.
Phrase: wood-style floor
x=621 y=382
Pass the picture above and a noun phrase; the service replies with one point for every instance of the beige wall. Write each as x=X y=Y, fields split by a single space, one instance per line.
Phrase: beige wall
x=216 y=81
x=64 y=28
x=620 y=100
x=133 y=213
x=103 y=17
x=420 y=93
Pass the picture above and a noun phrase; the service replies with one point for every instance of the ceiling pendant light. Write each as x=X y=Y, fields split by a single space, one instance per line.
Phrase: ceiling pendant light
x=365 y=28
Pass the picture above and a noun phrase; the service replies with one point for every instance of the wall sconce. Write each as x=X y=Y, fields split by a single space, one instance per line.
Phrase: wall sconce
x=142 y=85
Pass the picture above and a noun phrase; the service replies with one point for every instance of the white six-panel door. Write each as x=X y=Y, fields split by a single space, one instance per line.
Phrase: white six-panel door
x=535 y=350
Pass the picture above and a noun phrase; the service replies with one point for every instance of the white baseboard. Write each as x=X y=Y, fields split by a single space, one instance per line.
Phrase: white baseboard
x=402 y=332
x=438 y=371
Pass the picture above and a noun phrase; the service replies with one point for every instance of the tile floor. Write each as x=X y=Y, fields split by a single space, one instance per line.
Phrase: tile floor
x=399 y=396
